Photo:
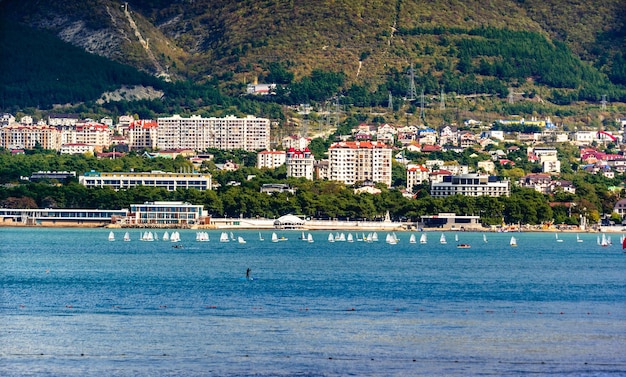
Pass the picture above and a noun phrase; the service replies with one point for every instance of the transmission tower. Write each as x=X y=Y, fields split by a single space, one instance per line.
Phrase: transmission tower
x=422 y=114
x=442 y=103
x=390 y=103
x=604 y=102
x=411 y=93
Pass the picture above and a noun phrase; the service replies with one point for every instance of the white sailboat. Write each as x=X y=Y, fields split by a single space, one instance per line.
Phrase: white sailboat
x=275 y=238
x=442 y=239
x=166 y=236
x=513 y=242
x=391 y=239
x=423 y=238
x=350 y=238
x=202 y=236
x=261 y=237
x=232 y=236
x=126 y=237
x=175 y=237
x=456 y=238
x=309 y=238
x=111 y=236
x=484 y=238
x=605 y=241
x=374 y=237
x=412 y=239
x=342 y=237
x=241 y=240
x=578 y=238
x=224 y=237
x=557 y=237
x=331 y=238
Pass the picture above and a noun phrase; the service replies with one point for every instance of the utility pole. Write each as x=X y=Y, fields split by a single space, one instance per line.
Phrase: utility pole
x=411 y=93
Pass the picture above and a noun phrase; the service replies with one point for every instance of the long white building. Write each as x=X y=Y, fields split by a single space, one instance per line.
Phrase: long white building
x=198 y=133
x=470 y=185
x=125 y=180
x=354 y=161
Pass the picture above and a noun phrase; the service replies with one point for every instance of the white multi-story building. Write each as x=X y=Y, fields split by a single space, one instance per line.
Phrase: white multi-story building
x=270 y=159
x=77 y=148
x=62 y=119
x=300 y=163
x=470 y=185
x=296 y=142
x=126 y=180
x=198 y=133
x=96 y=134
x=142 y=134
x=165 y=213
x=353 y=161
x=17 y=136
x=416 y=175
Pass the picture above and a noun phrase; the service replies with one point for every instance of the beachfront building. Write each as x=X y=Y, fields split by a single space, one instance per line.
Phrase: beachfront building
x=300 y=163
x=60 y=217
x=354 y=161
x=451 y=221
x=228 y=133
x=270 y=159
x=470 y=185
x=164 y=214
x=17 y=136
x=125 y=180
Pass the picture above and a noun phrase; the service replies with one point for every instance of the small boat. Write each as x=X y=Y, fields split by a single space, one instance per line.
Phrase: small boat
x=456 y=238
x=513 y=242
x=605 y=241
x=342 y=237
x=111 y=236
x=442 y=239
x=484 y=238
x=331 y=238
x=391 y=239
x=202 y=236
x=241 y=240
x=261 y=237
x=276 y=239
x=463 y=246
x=578 y=238
x=224 y=237
x=624 y=243
x=423 y=239
x=309 y=238
x=374 y=237
x=350 y=238
x=412 y=239
x=166 y=236
x=232 y=236
x=126 y=237
x=302 y=237
x=557 y=237
x=175 y=237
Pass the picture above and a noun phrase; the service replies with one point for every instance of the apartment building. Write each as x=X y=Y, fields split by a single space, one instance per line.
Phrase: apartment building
x=270 y=159
x=354 y=161
x=300 y=163
x=228 y=133
x=142 y=134
x=17 y=136
x=470 y=185
x=125 y=180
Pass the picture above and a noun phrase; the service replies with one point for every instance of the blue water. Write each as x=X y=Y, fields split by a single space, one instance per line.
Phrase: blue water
x=74 y=304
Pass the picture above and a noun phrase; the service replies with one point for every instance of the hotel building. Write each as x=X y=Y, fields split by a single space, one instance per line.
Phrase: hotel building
x=142 y=134
x=300 y=163
x=126 y=180
x=470 y=185
x=354 y=161
x=198 y=133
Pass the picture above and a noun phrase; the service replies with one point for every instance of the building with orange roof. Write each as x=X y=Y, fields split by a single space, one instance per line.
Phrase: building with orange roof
x=359 y=161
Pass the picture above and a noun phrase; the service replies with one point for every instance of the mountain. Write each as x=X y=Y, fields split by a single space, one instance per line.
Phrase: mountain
x=238 y=41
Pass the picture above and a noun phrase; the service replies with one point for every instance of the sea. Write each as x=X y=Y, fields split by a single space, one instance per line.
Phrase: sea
x=73 y=303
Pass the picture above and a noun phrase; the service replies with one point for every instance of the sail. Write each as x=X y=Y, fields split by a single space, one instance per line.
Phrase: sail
x=350 y=238
x=513 y=241
x=240 y=239
x=484 y=237
x=166 y=236
x=310 y=238
x=224 y=237
x=423 y=239
x=331 y=238
x=442 y=239
x=260 y=237
x=274 y=237
x=624 y=243
x=412 y=239
x=126 y=236
x=111 y=236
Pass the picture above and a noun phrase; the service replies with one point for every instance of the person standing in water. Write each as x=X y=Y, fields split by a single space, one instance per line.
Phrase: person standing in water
x=248 y=273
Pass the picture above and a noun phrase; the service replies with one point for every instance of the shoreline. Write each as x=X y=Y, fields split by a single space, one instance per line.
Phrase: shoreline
x=334 y=226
